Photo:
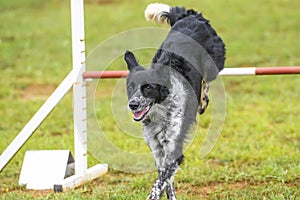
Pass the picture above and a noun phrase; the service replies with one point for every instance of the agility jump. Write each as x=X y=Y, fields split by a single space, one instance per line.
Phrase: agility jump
x=247 y=71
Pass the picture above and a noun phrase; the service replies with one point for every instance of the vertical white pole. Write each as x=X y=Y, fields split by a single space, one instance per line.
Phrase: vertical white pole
x=79 y=88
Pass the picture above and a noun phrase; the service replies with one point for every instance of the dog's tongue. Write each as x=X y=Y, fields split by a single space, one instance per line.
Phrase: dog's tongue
x=140 y=115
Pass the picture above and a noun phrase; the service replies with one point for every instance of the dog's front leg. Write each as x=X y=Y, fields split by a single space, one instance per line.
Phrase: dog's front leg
x=165 y=179
x=157 y=189
x=160 y=185
x=159 y=154
x=170 y=189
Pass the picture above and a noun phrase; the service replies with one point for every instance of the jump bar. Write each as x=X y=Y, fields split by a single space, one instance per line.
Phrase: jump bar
x=225 y=72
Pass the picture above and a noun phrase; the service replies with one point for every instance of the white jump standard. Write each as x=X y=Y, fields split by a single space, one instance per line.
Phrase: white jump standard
x=74 y=79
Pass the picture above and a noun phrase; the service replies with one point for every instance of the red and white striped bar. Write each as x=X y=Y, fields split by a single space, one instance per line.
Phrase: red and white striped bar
x=225 y=72
x=259 y=71
x=105 y=74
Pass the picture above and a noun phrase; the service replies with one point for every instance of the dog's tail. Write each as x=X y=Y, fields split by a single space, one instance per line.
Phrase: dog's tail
x=165 y=14
x=156 y=12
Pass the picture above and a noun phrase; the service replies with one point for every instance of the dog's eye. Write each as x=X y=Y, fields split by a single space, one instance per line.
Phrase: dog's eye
x=147 y=87
x=131 y=86
x=148 y=90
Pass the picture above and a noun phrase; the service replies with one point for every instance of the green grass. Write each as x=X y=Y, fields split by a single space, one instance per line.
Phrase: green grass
x=257 y=154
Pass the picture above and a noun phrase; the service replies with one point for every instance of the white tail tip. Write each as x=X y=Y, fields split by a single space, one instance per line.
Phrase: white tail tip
x=154 y=12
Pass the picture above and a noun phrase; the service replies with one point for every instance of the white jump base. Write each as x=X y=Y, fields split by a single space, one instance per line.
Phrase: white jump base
x=77 y=180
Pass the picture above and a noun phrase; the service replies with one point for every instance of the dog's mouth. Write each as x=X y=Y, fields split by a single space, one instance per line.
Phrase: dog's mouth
x=140 y=115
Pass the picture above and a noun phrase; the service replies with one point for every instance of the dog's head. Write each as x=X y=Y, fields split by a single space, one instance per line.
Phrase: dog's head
x=145 y=88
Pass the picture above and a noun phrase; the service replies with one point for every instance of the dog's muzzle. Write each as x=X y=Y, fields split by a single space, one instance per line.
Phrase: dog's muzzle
x=138 y=112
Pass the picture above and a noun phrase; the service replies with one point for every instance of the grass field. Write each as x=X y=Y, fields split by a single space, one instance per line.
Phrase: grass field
x=257 y=153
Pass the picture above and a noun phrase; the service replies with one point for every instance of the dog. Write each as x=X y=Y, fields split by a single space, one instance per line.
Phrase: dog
x=166 y=97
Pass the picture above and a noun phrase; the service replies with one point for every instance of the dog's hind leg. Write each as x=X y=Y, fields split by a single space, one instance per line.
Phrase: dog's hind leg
x=203 y=97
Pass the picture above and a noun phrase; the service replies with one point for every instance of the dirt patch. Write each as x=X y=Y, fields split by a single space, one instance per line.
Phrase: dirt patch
x=204 y=191
x=39 y=193
x=37 y=91
x=32 y=193
x=223 y=186
x=100 y=2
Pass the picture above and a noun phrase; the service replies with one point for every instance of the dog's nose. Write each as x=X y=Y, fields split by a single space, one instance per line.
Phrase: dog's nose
x=133 y=105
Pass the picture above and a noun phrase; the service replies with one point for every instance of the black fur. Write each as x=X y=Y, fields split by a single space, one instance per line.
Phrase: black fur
x=155 y=91
x=196 y=27
x=130 y=60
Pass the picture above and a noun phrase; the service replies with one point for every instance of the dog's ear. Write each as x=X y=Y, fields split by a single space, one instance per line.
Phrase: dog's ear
x=130 y=60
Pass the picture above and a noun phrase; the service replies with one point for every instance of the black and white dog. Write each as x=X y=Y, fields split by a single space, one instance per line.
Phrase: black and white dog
x=166 y=97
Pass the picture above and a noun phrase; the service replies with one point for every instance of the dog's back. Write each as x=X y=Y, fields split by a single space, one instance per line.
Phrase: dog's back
x=192 y=47
x=194 y=25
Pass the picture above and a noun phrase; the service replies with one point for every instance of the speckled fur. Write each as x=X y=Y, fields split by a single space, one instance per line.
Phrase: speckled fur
x=166 y=139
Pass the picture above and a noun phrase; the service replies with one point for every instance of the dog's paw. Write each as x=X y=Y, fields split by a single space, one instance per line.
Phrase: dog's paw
x=155 y=194
x=203 y=104
x=204 y=100
x=157 y=190
x=170 y=191
x=150 y=197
